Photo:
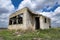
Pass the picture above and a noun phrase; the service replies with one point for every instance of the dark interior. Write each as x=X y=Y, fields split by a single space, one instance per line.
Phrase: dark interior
x=10 y=22
x=37 y=23
x=16 y=20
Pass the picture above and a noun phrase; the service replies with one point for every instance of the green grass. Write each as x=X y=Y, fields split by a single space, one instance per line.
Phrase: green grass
x=47 y=34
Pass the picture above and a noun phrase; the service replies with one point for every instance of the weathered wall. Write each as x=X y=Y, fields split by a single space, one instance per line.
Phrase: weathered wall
x=19 y=26
x=30 y=21
x=16 y=27
x=44 y=25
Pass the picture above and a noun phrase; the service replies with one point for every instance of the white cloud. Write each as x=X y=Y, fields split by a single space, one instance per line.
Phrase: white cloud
x=6 y=4
x=28 y=3
x=6 y=8
x=35 y=5
x=38 y=5
x=57 y=10
x=55 y=16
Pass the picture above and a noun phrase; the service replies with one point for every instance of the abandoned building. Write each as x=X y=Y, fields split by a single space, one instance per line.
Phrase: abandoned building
x=26 y=19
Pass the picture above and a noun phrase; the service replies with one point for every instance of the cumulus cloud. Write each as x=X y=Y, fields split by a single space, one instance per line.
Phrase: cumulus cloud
x=58 y=10
x=32 y=4
x=55 y=17
x=6 y=8
x=6 y=4
x=38 y=4
x=48 y=8
x=3 y=10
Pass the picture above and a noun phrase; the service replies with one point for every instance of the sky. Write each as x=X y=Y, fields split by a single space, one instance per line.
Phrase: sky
x=49 y=8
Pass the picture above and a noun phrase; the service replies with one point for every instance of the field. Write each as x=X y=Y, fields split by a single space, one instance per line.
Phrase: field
x=47 y=34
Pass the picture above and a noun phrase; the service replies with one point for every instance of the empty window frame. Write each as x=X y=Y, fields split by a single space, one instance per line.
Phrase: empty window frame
x=20 y=19
x=45 y=20
x=14 y=20
x=10 y=22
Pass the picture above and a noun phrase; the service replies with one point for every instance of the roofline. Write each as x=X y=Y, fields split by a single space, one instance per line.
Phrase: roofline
x=17 y=11
x=30 y=11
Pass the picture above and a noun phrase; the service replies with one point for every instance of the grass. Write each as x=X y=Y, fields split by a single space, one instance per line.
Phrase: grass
x=47 y=34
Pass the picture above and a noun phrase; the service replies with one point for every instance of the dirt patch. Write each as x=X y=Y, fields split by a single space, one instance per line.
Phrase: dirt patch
x=37 y=39
x=1 y=38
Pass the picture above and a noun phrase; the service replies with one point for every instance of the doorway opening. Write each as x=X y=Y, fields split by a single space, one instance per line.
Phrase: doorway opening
x=37 y=23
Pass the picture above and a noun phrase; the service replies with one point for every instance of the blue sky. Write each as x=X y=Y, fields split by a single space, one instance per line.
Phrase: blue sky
x=56 y=5
x=16 y=3
x=48 y=8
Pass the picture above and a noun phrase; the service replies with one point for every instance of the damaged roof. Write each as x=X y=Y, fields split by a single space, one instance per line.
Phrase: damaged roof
x=23 y=10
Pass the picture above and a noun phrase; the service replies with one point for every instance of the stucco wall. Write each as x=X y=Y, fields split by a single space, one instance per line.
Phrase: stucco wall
x=19 y=26
x=30 y=22
x=15 y=27
x=44 y=25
